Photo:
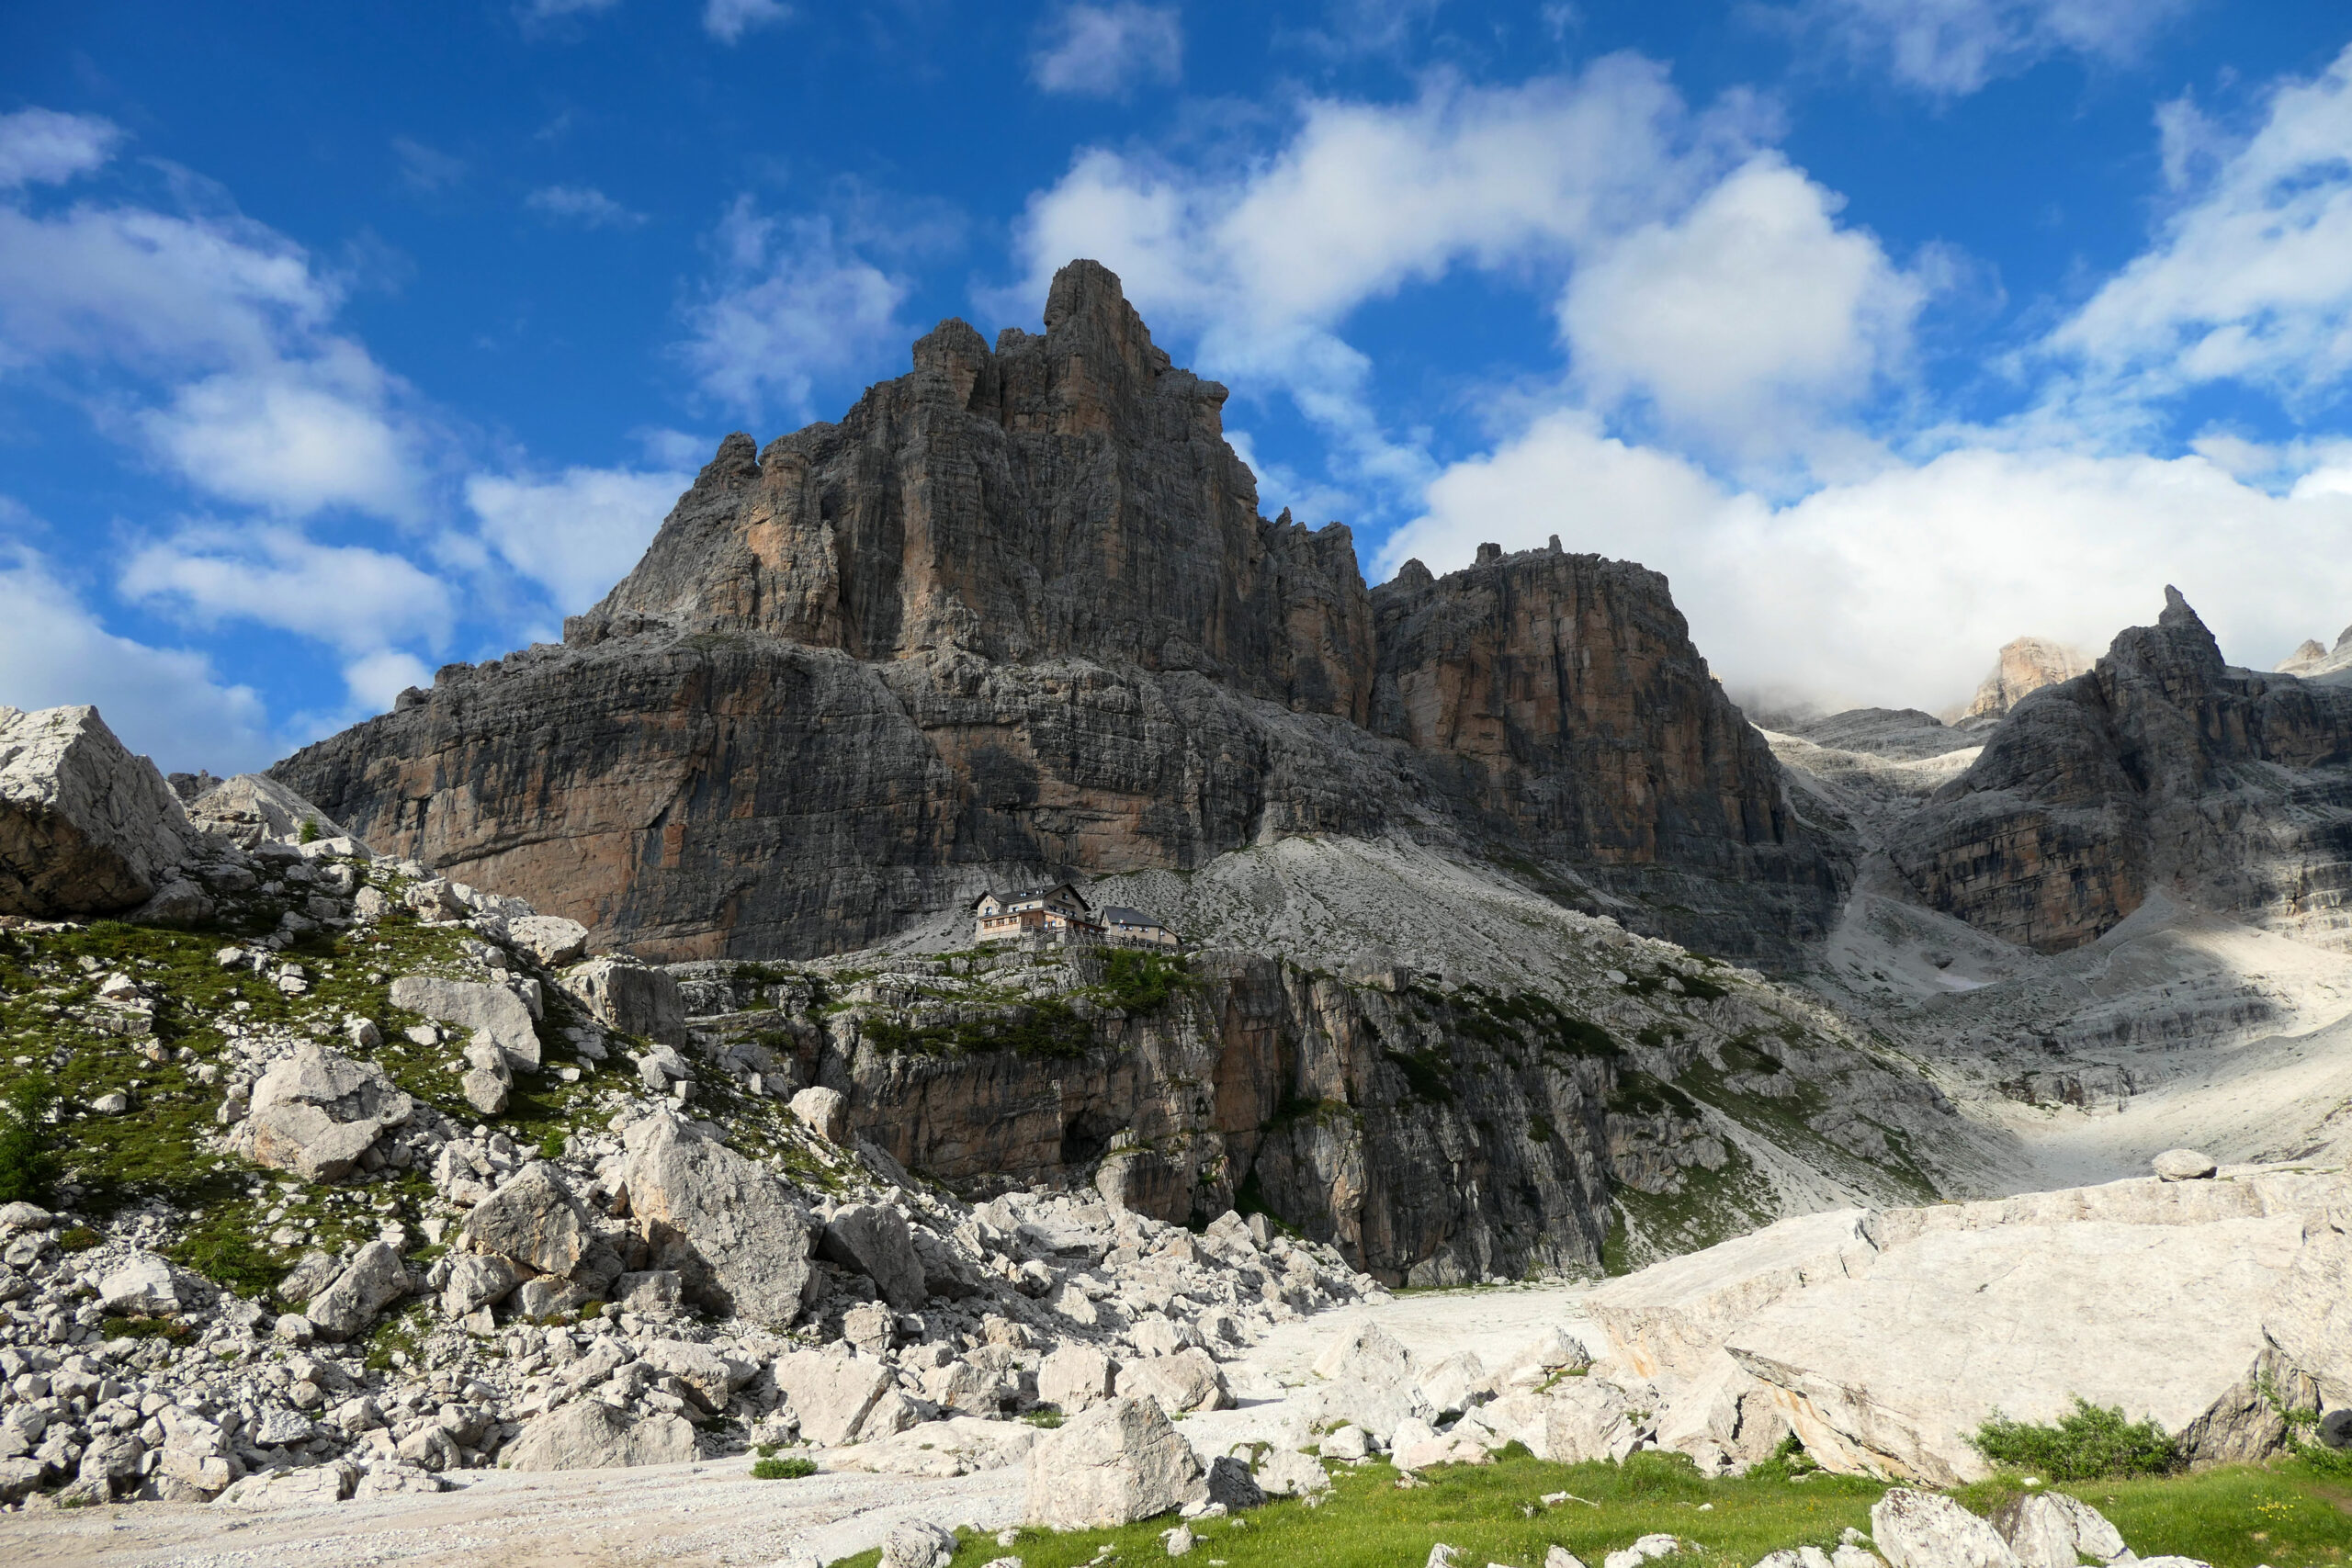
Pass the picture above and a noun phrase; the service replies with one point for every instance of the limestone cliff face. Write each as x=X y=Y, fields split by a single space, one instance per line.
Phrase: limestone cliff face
x=2024 y=667
x=2162 y=768
x=1016 y=615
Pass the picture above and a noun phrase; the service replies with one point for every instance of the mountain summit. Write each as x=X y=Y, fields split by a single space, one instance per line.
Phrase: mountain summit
x=1017 y=615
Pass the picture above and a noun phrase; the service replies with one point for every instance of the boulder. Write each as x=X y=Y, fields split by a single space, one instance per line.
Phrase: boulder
x=1378 y=1409
x=630 y=997
x=1921 y=1529
x=2184 y=1164
x=917 y=1544
x=709 y=1376
x=588 y=1434
x=1888 y=1374
x=85 y=827
x=873 y=1239
x=1185 y=1381
x=551 y=938
x=252 y=810
x=1367 y=1352
x=957 y=1446
x=1576 y=1420
x=375 y=1281
x=649 y=1292
x=306 y=1488
x=1119 y=1463
x=1231 y=1487
x=178 y=902
x=833 y=1391
x=824 y=1111
x=735 y=1233
x=492 y=1013
x=316 y=1112
x=2050 y=1529
x=1451 y=1384
x=142 y=1286
x=1286 y=1472
x=1074 y=1377
x=532 y=1220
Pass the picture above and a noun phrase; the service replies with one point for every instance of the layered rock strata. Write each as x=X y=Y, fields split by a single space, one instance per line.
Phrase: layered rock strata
x=1017 y=614
x=2160 y=769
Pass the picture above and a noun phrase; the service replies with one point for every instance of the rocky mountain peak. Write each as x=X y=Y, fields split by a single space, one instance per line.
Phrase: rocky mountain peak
x=2024 y=666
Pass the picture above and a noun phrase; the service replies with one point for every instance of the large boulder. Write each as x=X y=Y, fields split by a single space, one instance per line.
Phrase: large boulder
x=1890 y=1373
x=1364 y=1350
x=533 y=1221
x=2050 y=1529
x=495 y=1015
x=1576 y=1420
x=833 y=1391
x=254 y=808
x=1182 y=1383
x=588 y=1434
x=375 y=1281
x=630 y=997
x=142 y=1285
x=1920 y=1530
x=85 y=827
x=1121 y=1462
x=1075 y=1377
x=873 y=1239
x=551 y=939
x=317 y=1112
x=735 y=1233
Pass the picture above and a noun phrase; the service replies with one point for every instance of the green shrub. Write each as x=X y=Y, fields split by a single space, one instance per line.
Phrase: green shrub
x=169 y=1328
x=1138 y=980
x=1045 y=1416
x=791 y=1468
x=79 y=1238
x=27 y=1152
x=309 y=834
x=2091 y=1444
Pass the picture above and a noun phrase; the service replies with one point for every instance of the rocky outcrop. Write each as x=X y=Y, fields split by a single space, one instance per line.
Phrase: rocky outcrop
x=85 y=828
x=1017 y=612
x=318 y=1114
x=2314 y=657
x=2162 y=769
x=2022 y=668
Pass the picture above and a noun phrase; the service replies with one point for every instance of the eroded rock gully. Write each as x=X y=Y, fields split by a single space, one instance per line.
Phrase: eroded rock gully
x=1016 y=613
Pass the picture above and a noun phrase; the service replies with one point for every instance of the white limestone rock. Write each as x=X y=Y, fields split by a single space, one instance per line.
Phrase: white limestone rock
x=1119 y=1463
x=1922 y=1529
x=318 y=1111
x=735 y=1233
x=85 y=827
x=493 y=1014
x=630 y=997
x=588 y=1434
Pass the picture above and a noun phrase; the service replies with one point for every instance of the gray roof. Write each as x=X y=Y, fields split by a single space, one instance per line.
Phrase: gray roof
x=1120 y=915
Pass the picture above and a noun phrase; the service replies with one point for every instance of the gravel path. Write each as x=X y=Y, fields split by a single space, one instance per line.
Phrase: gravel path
x=710 y=1514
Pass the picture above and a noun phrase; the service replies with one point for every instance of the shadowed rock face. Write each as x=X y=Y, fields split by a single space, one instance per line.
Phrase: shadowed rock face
x=2162 y=769
x=1016 y=615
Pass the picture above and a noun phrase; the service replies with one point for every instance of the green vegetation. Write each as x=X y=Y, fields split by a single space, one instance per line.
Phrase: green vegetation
x=1425 y=1074
x=791 y=1468
x=2233 y=1517
x=167 y=1328
x=2088 y=1444
x=1520 y=1019
x=1045 y=1416
x=1639 y=1094
x=309 y=832
x=1138 y=980
x=27 y=1162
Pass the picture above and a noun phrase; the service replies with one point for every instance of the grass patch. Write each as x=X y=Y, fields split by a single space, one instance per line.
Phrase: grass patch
x=2090 y=1443
x=166 y=1328
x=1138 y=980
x=2239 y=1515
x=788 y=1469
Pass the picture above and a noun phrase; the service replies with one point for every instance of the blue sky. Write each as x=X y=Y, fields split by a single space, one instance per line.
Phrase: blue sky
x=340 y=342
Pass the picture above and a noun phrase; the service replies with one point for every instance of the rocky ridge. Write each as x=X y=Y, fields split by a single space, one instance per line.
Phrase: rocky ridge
x=1017 y=615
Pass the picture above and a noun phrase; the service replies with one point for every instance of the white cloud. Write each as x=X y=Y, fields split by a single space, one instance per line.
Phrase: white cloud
x=45 y=147
x=1747 y=319
x=1895 y=589
x=728 y=20
x=1101 y=51
x=166 y=703
x=578 y=534
x=250 y=395
x=425 y=168
x=543 y=10
x=584 y=204
x=791 y=305
x=2251 y=280
x=373 y=679
x=348 y=596
x=1954 y=47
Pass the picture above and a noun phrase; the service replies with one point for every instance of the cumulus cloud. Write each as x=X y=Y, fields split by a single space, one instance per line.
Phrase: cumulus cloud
x=577 y=533
x=1951 y=48
x=373 y=679
x=1746 y=321
x=791 y=304
x=348 y=596
x=1896 y=589
x=584 y=204
x=1707 y=281
x=170 y=703
x=2251 y=280
x=728 y=20
x=44 y=147
x=1103 y=50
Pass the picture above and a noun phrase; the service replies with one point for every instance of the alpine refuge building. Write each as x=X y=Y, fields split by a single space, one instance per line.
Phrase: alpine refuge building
x=1059 y=912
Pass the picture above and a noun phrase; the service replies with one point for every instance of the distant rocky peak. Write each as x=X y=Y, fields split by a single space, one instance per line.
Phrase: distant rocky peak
x=2023 y=667
x=2314 y=657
